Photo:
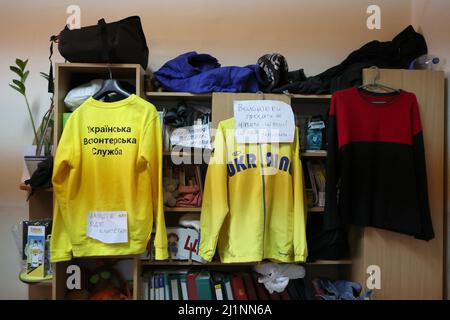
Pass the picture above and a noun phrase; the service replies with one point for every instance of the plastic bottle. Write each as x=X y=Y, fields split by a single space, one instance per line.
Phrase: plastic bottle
x=424 y=62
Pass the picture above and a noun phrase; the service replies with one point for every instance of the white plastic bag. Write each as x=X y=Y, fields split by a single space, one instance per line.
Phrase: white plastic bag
x=76 y=96
x=275 y=277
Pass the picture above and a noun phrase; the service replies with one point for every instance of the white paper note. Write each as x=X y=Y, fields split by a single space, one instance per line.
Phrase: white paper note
x=196 y=136
x=108 y=226
x=263 y=121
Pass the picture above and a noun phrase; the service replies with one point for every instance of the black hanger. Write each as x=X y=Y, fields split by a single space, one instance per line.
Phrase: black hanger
x=110 y=86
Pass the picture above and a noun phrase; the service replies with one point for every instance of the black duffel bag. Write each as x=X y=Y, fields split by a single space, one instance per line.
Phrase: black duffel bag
x=122 y=41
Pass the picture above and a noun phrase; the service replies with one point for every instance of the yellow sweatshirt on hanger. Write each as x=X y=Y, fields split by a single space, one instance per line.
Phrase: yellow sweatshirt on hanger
x=253 y=204
x=109 y=162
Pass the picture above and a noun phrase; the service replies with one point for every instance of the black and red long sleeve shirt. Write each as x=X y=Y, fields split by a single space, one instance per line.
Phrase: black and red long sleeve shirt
x=376 y=173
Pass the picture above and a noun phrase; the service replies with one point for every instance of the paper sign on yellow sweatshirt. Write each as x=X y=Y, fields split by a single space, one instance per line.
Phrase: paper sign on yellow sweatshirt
x=107 y=181
x=253 y=204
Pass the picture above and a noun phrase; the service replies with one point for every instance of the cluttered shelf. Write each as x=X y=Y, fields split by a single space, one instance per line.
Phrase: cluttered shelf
x=215 y=263
x=25 y=187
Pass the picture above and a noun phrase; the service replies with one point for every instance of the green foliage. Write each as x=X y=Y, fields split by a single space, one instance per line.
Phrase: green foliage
x=43 y=136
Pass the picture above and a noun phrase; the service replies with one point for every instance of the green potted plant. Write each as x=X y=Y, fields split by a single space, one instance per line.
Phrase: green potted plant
x=43 y=135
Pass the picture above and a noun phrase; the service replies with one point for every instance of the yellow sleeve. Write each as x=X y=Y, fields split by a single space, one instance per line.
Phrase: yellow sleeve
x=64 y=162
x=60 y=245
x=215 y=198
x=300 y=246
x=152 y=152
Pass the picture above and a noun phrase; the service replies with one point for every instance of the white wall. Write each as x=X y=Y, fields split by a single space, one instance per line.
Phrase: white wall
x=431 y=18
x=312 y=34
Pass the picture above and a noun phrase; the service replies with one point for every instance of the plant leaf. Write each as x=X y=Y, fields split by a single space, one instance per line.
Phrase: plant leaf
x=20 y=63
x=25 y=76
x=16 y=70
x=44 y=75
x=16 y=88
x=20 y=85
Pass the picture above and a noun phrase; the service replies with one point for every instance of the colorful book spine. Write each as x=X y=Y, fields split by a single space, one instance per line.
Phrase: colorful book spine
x=183 y=285
x=238 y=288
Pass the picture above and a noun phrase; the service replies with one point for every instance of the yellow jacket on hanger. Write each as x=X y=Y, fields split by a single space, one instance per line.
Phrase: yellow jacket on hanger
x=253 y=205
x=109 y=161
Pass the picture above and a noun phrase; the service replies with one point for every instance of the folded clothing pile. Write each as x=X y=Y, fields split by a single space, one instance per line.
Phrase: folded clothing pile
x=395 y=54
x=191 y=195
x=202 y=73
x=326 y=289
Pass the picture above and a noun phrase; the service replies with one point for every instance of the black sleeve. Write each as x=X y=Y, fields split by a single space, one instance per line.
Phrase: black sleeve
x=332 y=219
x=427 y=232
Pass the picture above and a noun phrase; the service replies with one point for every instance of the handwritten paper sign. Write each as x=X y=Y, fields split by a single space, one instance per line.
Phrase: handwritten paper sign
x=196 y=136
x=108 y=226
x=263 y=121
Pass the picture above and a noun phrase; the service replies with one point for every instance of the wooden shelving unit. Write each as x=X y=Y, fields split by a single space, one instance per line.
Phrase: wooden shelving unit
x=416 y=268
x=67 y=75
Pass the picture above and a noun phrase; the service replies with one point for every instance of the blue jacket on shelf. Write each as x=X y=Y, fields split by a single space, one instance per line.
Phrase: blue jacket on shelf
x=202 y=73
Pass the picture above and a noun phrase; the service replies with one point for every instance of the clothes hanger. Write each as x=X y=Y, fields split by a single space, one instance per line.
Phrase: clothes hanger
x=376 y=85
x=110 y=86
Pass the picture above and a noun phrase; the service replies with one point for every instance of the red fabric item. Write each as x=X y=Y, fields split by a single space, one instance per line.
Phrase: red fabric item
x=359 y=120
x=191 y=286
x=188 y=189
x=191 y=196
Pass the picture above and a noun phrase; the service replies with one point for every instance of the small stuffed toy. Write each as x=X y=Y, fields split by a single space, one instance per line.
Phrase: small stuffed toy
x=170 y=192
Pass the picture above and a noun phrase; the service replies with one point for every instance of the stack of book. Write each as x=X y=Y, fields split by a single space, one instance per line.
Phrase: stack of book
x=209 y=285
x=315 y=182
